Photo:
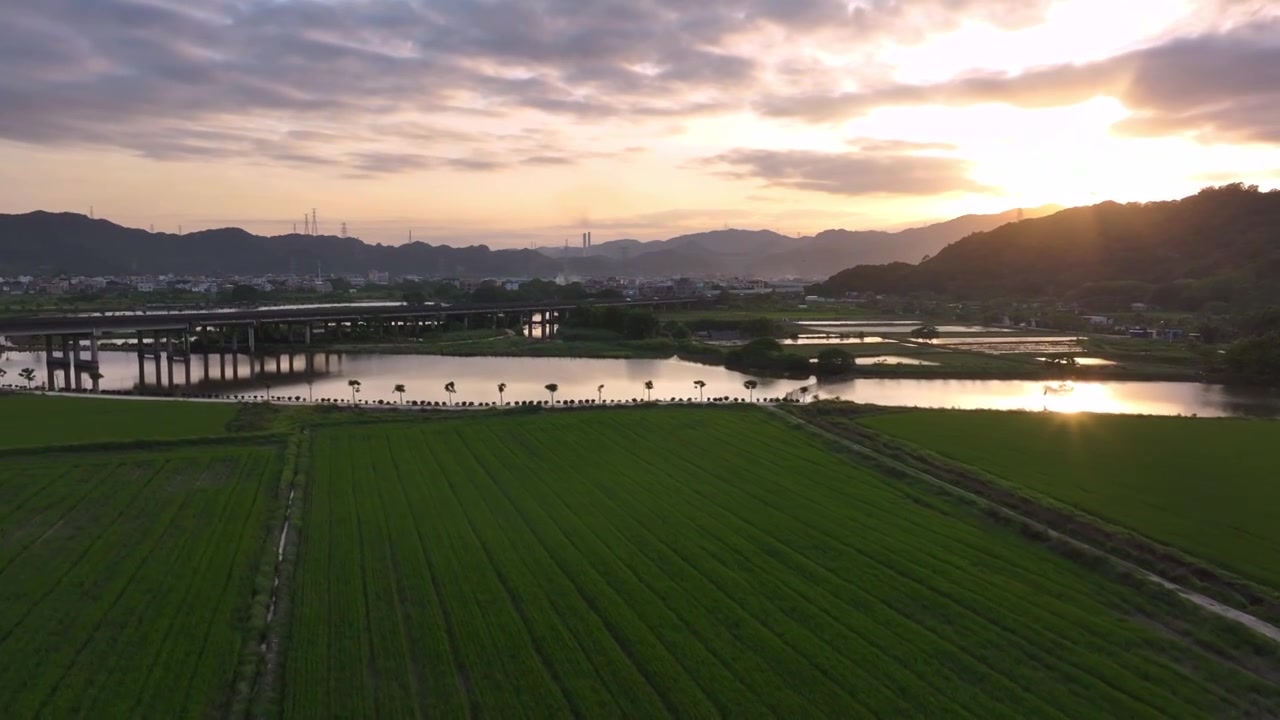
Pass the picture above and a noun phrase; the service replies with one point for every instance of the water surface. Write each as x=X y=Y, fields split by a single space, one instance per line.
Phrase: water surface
x=476 y=380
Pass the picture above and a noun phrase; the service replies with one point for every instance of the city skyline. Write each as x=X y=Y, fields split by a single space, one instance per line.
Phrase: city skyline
x=510 y=123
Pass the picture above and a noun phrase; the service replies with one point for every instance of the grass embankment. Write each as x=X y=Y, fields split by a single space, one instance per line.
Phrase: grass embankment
x=1149 y=356
x=1207 y=487
x=125 y=577
x=725 y=564
x=491 y=343
x=36 y=420
x=779 y=311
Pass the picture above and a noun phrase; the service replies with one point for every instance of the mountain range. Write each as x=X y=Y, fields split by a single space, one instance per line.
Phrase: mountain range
x=769 y=254
x=66 y=243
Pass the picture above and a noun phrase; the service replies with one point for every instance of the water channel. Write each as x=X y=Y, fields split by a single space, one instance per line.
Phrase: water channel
x=476 y=380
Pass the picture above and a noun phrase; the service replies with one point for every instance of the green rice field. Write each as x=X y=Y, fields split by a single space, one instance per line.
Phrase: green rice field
x=1207 y=487
x=35 y=420
x=125 y=577
x=699 y=563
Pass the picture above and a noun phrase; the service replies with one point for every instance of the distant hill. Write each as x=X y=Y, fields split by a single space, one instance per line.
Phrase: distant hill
x=42 y=242
x=1219 y=244
x=55 y=243
x=770 y=254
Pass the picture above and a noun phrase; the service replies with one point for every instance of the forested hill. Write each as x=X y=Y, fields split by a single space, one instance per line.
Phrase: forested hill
x=1221 y=244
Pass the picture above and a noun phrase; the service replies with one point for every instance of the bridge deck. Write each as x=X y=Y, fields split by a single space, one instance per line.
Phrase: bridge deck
x=88 y=324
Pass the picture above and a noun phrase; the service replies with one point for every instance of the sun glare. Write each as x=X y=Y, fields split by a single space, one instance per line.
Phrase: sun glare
x=1071 y=34
x=1080 y=397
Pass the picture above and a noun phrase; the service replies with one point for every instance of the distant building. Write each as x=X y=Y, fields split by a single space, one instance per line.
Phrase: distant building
x=684 y=287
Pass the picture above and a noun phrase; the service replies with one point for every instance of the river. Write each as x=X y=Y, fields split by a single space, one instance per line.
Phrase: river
x=476 y=379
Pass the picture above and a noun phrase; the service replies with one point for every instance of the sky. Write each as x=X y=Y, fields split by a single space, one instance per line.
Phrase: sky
x=520 y=122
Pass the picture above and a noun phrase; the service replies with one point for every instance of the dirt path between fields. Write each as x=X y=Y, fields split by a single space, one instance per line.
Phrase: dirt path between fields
x=1253 y=623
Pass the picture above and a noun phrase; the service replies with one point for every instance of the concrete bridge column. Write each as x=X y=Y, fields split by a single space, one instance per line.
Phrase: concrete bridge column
x=186 y=358
x=168 y=339
x=155 y=355
x=94 y=363
x=306 y=334
x=235 y=356
x=48 y=361
x=66 y=367
x=142 y=366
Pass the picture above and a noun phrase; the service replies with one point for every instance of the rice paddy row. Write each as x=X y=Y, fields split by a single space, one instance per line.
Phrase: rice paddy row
x=694 y=562
x=125 y=580
x=641 y=562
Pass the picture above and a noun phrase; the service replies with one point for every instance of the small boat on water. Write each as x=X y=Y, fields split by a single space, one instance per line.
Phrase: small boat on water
x=1060 y=388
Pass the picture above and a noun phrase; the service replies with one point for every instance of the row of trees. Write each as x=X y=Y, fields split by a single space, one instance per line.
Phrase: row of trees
x=28 y=374
x=551 y=388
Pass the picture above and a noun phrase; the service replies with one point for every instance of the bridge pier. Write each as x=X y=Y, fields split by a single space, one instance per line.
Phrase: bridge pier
x=169 y=357
x=94 y=364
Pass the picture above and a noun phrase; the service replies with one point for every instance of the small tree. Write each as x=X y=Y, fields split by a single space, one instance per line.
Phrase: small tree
x=600 y=393
x=267 y=384
x=925 y=332
x=834 y=361
x=451 y=389
x=399 y=388
x=700 y=385
x=804 y=392
x=648 y=389
x=552 y=388
x=502 y=388
x=751 y=386
x=355 y=388
x=96 y=376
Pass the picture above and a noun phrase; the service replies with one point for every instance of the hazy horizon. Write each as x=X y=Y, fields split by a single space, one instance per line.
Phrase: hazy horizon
x=497 y=240
x=511 y=122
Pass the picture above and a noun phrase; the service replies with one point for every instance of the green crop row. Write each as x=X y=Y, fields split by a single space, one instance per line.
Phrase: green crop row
x=693 y=562
x=1206 y=487
x=35 y=420
x=123 y=580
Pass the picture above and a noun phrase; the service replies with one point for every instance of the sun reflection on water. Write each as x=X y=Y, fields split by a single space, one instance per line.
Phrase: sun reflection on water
x=1082 y=397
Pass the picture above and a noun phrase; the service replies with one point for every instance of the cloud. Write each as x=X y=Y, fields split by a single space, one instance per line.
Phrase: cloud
x=864 y=172
x=290 y=81
x=1222 y=87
